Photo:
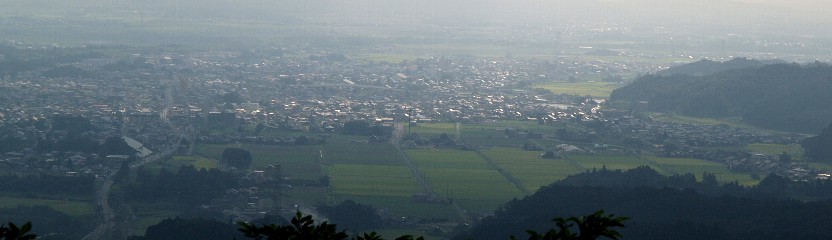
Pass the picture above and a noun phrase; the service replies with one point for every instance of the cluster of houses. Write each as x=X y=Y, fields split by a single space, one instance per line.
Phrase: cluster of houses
x=187 y=91
x=718 y=143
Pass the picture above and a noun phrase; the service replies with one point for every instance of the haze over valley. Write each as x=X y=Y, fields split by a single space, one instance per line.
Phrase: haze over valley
x=460 y=119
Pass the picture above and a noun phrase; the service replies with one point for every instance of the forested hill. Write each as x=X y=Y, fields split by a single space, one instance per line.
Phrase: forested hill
x=667 y=212
x=785 y=97
x=707 y=67
x=819 y=148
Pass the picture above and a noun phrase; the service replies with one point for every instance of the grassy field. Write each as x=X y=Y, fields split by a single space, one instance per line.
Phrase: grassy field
x=431 y=129
x=728 y=122
x=794 y=150
x=173 y=164
x=447 y=159
x=465 y=177
x=666 y=166
x=698 y=167
x=688 y=165
x=820 y=166
x=372 y=180
x=147 y=215
x=488 y=137
x=297 y=162
x=213 y=150
x=611 y=162
x=530 y=168
x=595 y=89
x=487 y=134
x=72 y=208
x=278 y=133
x=398 y=207
x=361 y=153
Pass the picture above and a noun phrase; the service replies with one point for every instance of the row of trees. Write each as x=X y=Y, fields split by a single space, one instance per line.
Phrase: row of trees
x=364 y=128
x=236 y=157
x=300 y=227
x=87 y=143
x=188 y=186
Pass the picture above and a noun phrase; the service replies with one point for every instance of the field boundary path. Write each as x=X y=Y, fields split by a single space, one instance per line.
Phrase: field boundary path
x=420 y=178
x=398 y=134
x=514 y=181
x=574 y=163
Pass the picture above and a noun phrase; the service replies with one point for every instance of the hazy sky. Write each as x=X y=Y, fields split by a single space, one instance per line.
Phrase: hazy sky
x=697 y=17
x=802 y=3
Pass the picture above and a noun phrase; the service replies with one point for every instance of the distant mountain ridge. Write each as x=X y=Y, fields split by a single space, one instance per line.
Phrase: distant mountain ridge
x=787 y=97
x=707 y=67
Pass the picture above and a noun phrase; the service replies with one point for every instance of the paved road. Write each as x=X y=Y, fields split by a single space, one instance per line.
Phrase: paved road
x=398 y=134
x=103 y=192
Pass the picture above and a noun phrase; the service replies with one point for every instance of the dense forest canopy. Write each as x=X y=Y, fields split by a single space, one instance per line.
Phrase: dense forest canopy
x=707 y=67
x=785 y=97
x=661 y=207
x=819 y=148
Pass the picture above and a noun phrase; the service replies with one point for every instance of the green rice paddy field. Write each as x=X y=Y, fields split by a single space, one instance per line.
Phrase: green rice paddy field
x=375 y=173
x=465 y=177
x=361 y=153
x=372 y=180
x=794 y=150
x=482 y=134
x=70 y=207
x=297 y=162
x=174 y=163
x=530 y=168
x=609 y=162
x=404 y=207
x=698 y=167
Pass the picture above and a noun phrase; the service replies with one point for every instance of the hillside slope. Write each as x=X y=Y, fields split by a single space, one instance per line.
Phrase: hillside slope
x=819 y=148
x=707 y=67
x=785 y=97
x=668 y=212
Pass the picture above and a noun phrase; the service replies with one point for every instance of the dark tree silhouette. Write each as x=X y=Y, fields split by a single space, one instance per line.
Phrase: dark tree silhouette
x=236 y=157
x=357 y=127
x=589 y=227
x=303 y=227
x=12 y=232
x=353 y=216
x=117 y=146
x=178 y=228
